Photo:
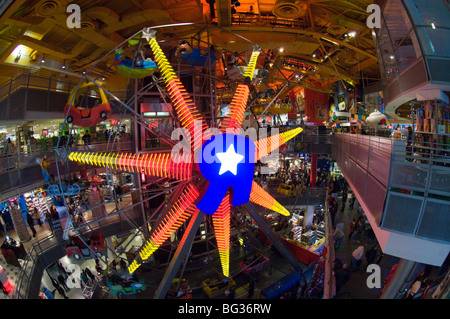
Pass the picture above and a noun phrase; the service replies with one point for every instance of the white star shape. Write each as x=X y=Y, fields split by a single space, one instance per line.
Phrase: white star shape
x=148 y=33
x=229 y=160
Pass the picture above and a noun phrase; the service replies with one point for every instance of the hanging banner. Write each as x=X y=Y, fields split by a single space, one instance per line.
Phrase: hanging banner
x=316 y=107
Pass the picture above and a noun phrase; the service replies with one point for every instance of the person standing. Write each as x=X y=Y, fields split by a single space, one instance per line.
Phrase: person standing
x=251 y=288
x=371 y=254
x=89 y=273
x=37 y=216
x=61 y=291
x=342 y=276
x=62 y=281
x=333 y=210
x=344 y=199
x=409 y=144
x=357 y=256
x=338 y=236
x=352 y=201
x=84 y=278
x=351 y=226
x=63 y=270
x=232 y=293
x=30 y=222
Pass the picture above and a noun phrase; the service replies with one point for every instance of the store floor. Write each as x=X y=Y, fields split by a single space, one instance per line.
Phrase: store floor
x=13 y=272
x=356 y=286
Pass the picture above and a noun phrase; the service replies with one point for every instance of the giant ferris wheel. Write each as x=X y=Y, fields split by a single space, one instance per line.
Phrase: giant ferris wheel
x=212 y=164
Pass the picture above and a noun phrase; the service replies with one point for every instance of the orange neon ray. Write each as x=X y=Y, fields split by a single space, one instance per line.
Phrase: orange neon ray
x=239 y=102
x=262 y=198
x=182 y=103
x=267 y=145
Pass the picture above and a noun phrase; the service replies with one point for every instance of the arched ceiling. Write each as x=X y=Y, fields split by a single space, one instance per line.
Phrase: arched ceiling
x=312 y=32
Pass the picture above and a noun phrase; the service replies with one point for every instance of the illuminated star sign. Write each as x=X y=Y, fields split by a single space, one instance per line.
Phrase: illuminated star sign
x=229 y=160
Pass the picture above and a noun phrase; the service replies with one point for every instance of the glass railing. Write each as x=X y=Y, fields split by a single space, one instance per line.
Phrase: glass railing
x=365 y=161
x=39 y=247
x=404 y=187
x=418 y=199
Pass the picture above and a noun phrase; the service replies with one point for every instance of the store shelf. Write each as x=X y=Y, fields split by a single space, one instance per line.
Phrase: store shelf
x=432 y=133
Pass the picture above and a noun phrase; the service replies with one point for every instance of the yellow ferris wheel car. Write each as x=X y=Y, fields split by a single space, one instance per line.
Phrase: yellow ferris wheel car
x=89 y=113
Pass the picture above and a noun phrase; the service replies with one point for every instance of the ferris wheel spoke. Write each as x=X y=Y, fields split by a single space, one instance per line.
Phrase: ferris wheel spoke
x=262 y=198
x=239 y=102
x=266 y=145
x=153 y=164
x=221 y=223
x=182 y=103
x=168 y=224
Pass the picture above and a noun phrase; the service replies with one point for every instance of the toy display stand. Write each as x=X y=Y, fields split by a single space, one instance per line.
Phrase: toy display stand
x=12 y=251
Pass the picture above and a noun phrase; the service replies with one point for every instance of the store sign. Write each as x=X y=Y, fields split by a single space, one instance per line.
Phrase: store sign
x=226 y=161
x=72 y=190
x=341 y=102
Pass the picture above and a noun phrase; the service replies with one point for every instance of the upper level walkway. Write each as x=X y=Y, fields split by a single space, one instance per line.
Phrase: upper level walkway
x=403 y=192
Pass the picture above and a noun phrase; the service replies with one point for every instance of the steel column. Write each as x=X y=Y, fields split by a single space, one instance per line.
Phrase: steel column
x=272 y=237
x=180 y=253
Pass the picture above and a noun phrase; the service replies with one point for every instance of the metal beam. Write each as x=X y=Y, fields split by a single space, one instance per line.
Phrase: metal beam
x=180 y=253
x=296 y=32
x=364 y=64
x=223 y=8
x=272 y=236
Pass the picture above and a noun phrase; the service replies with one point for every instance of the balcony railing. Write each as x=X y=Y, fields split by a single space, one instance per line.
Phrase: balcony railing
x=30 y=81
x=418 y=199
x=20 y=171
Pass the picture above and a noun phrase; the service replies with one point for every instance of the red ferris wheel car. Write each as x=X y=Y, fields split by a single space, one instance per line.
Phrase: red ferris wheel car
x=87 y=116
